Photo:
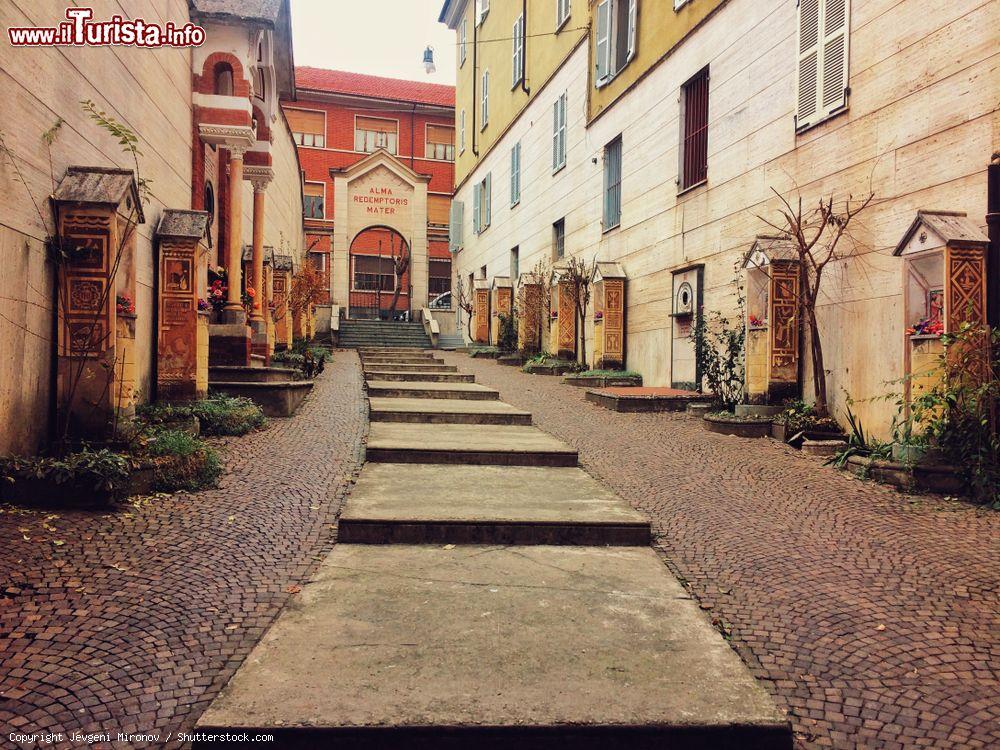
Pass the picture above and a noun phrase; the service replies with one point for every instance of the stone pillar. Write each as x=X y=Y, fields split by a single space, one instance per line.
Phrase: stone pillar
x=234 y=311
x=481 y=312
x=528 y=323
x=259 y=186
x=566 y=322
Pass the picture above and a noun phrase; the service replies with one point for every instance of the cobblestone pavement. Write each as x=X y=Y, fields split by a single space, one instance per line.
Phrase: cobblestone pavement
x=872 y=616
x=132 y=621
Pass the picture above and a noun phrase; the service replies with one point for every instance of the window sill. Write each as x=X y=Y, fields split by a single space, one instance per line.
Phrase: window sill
x=559 y=169
x=562 y=24
x=516 y=203
x=833 y=116
x=691 y=188
x=613 y=227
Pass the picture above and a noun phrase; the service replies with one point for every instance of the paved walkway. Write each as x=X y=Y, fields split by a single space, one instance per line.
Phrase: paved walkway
x=873 y=617
x=488 y=593
x=137 y=619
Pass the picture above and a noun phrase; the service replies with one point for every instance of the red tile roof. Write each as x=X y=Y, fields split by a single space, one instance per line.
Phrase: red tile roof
x=377 y=87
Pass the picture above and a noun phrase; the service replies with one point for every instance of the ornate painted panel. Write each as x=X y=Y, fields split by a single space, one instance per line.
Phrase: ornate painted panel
x=966 y=287
x=482 y=313
x=784 y=353
x=567 y=321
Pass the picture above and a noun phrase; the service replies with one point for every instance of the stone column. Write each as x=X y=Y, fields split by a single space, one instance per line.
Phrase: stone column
x=259 y=186
x=234 y=312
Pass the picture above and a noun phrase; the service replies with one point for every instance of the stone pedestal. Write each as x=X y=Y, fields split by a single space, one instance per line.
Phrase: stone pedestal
x=481 y=312
x=501 y=303
x=258 y=340
x=564 y=324
x=609 y=317
x=229 y=344
x=529 y=321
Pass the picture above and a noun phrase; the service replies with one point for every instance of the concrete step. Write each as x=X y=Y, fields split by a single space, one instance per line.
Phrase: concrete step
x=417 y=646
x=498 y=445
x=393 y=351
x=429 y=504
x=276 y=399
x=420 y=377
x=409 y=366
x=445 y=411
x=399 y=389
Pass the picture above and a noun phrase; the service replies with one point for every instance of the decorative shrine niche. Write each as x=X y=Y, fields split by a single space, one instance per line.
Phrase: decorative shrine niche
x=944 y=286
x=97 y=212
x=562 y=313
x=530 y=313
x=501 y=303
x=481 y=311
x=772 y=282
x=609 y=316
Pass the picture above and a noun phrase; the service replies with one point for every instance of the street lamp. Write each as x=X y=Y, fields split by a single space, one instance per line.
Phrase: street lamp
x=429 y=60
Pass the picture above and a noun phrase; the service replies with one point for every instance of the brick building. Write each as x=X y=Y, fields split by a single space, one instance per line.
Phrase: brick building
x=377 y=157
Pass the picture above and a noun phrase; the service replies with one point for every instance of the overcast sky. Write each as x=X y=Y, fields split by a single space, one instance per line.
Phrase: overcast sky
x=381 y=37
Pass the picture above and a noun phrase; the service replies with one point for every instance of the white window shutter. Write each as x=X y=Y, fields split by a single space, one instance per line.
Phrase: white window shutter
x=488 y=200
x=835 y=39
x=808 y=111
x=602 y=50
x=476 y=208
x=633 y=18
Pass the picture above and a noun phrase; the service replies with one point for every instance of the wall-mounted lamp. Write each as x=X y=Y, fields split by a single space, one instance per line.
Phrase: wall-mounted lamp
x=429 y=60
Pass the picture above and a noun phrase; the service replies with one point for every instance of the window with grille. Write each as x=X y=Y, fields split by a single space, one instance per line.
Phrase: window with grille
x=440 y=142
x=307 y=126
x=482 y=199
x=559 y=239
x=559 y=133
x=439 y=276
x=694 y=136
x=613 y=184
x=371 y=133
x=515 y=174
x=372 y=274
x=517 y=53
x=515 y=264
x=313 y=200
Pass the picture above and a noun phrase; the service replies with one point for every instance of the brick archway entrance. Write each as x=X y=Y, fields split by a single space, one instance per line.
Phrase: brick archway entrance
x=380 y=275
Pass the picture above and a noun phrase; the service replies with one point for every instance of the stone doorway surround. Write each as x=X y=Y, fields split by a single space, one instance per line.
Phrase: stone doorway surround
x=379 y=191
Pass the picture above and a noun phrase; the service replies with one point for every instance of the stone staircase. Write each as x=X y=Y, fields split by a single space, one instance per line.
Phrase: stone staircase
x=358 y=333
x=487 y=592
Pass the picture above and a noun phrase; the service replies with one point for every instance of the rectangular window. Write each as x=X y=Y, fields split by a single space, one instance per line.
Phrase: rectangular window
x=461 y=132
x=372 y=274
x=308 y=127
x=515 y=267
x=482 y=8
x=616 y=37
x=559 y=133
x=613 y=184
x=440 y=142
x=515 y=174
x=439 y=278
x=517 y=54
x=481 y=208
x=463 y=32
x=694 y=137
x=559 y=239
x=371 y=133
x=823 y=56
x=313 y=200
x=562 y=12
x=482 y=272
x=318 y=261
x=484 y=100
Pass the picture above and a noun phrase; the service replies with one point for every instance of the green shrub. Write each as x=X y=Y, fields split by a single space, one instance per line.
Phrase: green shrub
x=507 y=338
x=103 y=469
x=183 y=462
x=228 y=415
x=607 y=374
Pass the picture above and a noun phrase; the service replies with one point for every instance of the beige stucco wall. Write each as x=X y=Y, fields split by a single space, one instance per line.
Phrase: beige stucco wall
x=920 y=129
x=37 y=86
x=283 y=198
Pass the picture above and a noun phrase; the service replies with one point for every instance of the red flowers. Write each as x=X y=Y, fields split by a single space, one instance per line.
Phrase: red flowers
x=926 y=327
x=124 y=305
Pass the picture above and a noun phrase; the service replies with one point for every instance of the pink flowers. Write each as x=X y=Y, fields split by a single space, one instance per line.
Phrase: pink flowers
x=926 y=327
x=124 y=305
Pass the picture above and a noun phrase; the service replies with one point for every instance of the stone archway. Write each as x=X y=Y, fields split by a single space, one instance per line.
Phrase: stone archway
x=380 y=280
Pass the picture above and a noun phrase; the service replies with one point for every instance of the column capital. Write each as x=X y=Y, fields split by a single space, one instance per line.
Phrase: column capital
x=259 y=177
x=237 y=150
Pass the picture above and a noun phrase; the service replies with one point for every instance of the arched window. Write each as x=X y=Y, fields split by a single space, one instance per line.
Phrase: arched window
x=223 y=79
x=209 y=205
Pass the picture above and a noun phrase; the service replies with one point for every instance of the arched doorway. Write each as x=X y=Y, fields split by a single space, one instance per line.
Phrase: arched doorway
x=379 y=270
